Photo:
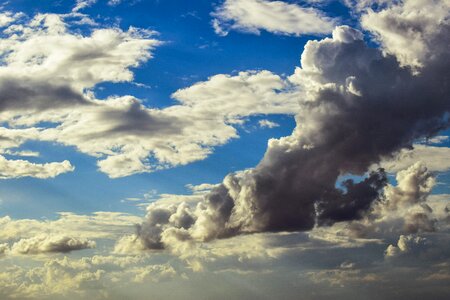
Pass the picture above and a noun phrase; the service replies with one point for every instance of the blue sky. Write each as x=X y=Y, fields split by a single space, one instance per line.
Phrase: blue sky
x=224 y=149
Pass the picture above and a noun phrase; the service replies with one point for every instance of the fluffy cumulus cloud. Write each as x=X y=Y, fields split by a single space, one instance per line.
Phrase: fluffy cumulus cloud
x=23 y=168
x=274 y=16
x=359 y=105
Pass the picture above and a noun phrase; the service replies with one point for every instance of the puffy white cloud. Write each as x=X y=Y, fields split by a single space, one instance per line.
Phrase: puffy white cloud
x=23 y=168
x=267 y=124
x=8 y=17
x=274 y=16
x=407 y=29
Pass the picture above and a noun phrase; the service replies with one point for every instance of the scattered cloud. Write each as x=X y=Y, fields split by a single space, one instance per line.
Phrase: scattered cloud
x=274 y=16
x=267 y=124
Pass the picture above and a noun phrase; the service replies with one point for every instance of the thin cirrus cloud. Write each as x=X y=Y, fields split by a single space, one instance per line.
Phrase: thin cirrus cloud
x=273 y=16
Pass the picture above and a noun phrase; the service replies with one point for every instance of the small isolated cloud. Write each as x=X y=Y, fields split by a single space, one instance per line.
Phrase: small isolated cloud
x=50 y=244
x=23 y=168
x=274 y=16
x=82 y=4
x=267 y=124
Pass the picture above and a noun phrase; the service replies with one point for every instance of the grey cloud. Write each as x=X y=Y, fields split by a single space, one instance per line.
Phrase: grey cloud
x=50 y=244
x=19 y=94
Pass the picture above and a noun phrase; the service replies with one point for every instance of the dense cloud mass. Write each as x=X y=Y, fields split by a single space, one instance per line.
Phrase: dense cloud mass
x=360 y=105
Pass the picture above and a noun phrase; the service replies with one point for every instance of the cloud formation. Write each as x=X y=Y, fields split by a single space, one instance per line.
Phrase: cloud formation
x=360 y=105
x=274 y=16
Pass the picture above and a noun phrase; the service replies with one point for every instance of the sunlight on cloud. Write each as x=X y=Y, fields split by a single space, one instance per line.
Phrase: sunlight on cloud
x=274 y=16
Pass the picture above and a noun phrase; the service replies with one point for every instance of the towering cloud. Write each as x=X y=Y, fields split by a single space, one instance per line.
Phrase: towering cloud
x=360 y=105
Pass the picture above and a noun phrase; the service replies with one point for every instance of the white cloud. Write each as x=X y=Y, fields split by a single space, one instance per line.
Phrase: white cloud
x=23 y=168
x=47 y=75
x=267 y=124
x=8 y=17
x=404 y=28
x=274 y=16
x=82 y=4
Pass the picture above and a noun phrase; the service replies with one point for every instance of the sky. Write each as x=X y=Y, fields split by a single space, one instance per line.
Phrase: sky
x=229 y=149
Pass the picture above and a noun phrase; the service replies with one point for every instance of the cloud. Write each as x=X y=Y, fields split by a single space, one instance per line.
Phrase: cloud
x=407 y=29
x=82 y=4
x=435 y=158
x=359 y=106
x=4 y=247
x=99 y=225
x=77 y=278
x=47 y=76
x=50 y=244
x=274 y=16
x=405 y=209
x=23 y=168
x=8 y=17
x=404 y=245
x=267 y=124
